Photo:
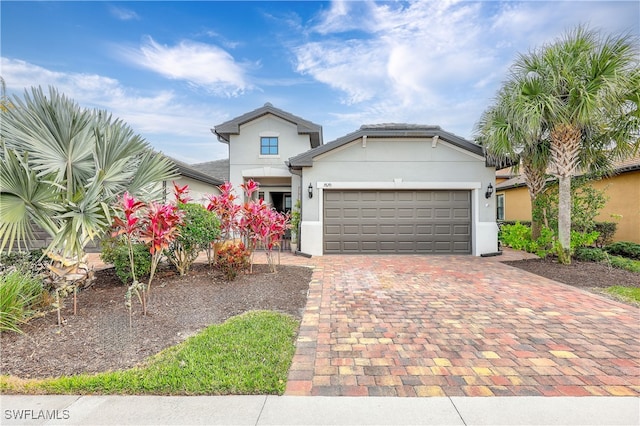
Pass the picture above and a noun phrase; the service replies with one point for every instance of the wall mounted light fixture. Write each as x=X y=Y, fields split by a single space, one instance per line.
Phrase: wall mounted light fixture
x=489 y=191
x=310 y=189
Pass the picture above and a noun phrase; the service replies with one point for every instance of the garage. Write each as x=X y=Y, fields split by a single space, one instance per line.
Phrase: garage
x=392 y=221
x=396 y=188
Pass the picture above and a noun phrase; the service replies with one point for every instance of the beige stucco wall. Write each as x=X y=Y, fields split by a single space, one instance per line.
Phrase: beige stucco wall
x=624 y=199
x=517 y=204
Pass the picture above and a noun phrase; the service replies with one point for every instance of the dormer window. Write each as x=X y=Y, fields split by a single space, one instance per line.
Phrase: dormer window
x=268 y=145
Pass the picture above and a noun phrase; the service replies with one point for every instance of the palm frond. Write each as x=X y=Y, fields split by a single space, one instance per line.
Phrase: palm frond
x=24 y=201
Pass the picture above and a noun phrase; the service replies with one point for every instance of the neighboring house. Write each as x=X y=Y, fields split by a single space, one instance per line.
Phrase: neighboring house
x=391 y=188
x=622 y=190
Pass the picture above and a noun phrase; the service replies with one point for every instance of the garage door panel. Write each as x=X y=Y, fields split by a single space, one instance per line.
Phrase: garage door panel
x=351 y=245
x=406 y=195
x=387 y=229
x=461 y=247
x=351 y=230
x=442 y=230
x=464 y=196
x=424 y=213
x=442 y=196
x=462 y=230
x=424 y=196
x=461 y=213
x=350 y=196
x=369 y=229
x=333 y=213
x=386 y=196
x=332 y=196
x=424 y=246
x=424 y=229
x=369 y=213
x=443 y=213
x=371 y=221
x=387 y=213
x=406 y=229
x=404 y=213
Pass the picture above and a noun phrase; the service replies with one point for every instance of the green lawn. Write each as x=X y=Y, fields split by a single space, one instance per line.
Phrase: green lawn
x=248 y=354
x=631 y=294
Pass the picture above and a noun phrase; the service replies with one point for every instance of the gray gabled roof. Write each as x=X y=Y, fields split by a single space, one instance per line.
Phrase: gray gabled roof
x=387 y=130
x=188 y=171
x=217 y=168
x=305 y=127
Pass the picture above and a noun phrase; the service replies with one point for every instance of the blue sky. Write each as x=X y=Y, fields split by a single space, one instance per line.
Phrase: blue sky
x=174 y=70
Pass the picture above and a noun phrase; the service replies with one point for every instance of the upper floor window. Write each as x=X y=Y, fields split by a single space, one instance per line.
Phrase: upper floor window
x=268 y=145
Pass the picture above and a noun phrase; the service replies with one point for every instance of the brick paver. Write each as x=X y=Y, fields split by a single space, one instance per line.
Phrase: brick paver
x=457 y=326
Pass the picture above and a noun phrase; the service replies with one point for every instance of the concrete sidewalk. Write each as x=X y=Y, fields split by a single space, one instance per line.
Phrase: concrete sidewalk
x=294 y=410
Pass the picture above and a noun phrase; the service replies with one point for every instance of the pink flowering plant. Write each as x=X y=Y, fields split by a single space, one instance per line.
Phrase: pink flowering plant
x=227 y=209
x=155 y=225
x=259 y=224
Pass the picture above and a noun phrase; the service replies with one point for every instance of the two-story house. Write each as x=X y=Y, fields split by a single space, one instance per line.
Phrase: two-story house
x=388 y=188
x=260 y=143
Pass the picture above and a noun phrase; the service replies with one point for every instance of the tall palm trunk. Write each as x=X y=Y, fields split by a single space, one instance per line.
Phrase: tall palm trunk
x=534 y=178
x=565 y=146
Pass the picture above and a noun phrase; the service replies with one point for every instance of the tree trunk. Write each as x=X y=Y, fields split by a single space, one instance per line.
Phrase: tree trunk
x=564 y=219
x=565 y=146
x=535 y=180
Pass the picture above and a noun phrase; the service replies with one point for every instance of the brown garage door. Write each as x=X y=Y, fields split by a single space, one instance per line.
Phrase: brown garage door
x=371 y=221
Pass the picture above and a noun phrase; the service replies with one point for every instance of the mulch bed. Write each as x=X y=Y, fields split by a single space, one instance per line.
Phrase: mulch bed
x=99 y=338
x=587 y=275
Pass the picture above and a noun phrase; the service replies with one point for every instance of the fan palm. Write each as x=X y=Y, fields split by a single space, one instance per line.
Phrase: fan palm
x=63 y=166
x=507 y=140
x=581 y=93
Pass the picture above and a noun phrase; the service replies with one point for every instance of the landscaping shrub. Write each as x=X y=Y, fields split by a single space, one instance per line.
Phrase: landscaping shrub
x=20 y=292
x=587 y=202
x=116 y=252
x=624 y=263
x=606 y=231
x=582 y=239
x=625 y=249
x=513 y=222
x=590 y=254
x=232 y=259
x=199 y=229
x=517 y=236
x=32 y=262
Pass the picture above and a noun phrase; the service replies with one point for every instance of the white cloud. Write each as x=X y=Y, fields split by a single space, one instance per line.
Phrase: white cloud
x=203 y=65
x=123 y=14
x=436 y=62
x=406 y=61
x=167 y=121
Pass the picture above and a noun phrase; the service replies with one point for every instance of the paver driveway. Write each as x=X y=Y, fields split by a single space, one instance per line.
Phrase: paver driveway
x=456 y=326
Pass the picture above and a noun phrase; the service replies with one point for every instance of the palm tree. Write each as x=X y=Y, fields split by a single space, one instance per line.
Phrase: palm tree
x=63 y=166
x=508 y=141
x=581 y=93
